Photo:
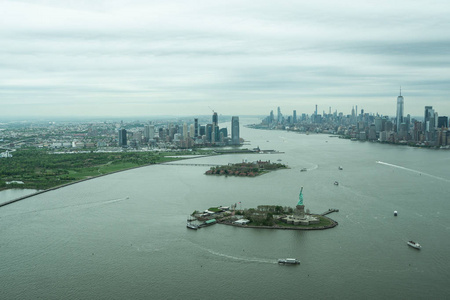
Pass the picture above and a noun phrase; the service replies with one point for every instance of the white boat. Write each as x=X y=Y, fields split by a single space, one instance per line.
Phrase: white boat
x=288 y=261
x=340 y=168
x=191 y=226
x=414 y=245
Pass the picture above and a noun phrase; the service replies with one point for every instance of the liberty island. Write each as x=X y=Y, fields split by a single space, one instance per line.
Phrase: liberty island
x=265 y=217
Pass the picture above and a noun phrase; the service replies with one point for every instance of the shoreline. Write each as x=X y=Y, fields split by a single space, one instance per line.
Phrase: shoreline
x=277 y=227
x=85 y=179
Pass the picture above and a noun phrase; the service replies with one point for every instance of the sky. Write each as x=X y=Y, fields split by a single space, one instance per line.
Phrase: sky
x=138 y=58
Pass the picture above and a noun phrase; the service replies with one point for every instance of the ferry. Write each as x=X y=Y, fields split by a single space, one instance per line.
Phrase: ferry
x=414 y=245
x=191 y=226
x=288 y=261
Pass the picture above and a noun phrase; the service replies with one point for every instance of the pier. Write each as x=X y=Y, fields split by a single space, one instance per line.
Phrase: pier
x=331 y=210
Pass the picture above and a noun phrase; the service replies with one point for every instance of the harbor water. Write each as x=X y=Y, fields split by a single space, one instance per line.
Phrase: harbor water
x=124 y=236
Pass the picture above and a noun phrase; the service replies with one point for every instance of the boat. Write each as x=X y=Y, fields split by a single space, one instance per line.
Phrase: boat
x=191 y=226
x=340 y=168
x=288 y=261
x=336 y=183
x=303 y=170
x=414 y=245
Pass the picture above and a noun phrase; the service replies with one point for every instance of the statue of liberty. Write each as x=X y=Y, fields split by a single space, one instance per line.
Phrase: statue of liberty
x=300 y=197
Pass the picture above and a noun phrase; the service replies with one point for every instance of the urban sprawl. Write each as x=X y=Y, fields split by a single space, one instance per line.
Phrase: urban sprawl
x=431 y=131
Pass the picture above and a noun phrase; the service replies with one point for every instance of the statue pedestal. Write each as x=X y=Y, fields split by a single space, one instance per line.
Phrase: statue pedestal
x=299 y=212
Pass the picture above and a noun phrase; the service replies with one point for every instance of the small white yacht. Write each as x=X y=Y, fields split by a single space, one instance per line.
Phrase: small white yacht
x=414 y=245
x=289 y=261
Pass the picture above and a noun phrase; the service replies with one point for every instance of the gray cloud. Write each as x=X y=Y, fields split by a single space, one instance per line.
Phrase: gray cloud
x=117 y=57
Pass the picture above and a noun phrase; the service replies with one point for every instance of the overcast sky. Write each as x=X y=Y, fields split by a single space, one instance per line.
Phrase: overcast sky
x=137 y=58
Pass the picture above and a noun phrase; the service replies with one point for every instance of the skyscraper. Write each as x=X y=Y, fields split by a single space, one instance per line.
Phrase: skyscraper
x=235 y=130
x=122 y=137
x=428 y=120
x=215 y=119
x=399 y=110
x=195 y=127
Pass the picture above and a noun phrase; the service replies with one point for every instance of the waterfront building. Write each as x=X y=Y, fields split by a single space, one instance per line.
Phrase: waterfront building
x=122 y=137
x=223 y=133
x=442 y=122
x=372 y=132
x=235 y=130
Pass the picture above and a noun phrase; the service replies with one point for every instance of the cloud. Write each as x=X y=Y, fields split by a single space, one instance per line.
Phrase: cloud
x=241 y=57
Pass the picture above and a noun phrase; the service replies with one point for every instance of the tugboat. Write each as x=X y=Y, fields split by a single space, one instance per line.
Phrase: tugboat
x=288 y=261
x=414 y=245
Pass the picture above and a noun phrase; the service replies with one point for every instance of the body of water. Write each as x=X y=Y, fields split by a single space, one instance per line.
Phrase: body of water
x=124 y=236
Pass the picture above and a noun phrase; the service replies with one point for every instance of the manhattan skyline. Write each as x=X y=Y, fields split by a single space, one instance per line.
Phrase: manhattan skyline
x=116 y=58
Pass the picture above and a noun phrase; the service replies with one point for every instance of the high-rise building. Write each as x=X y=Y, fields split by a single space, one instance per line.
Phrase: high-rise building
x=208 y=132
x=400 y=103
x=196 y=127
x=294 y=116
x=442 y=122
x=215 y=119
x=279 y=115
x=235 y=130
x=151 y=132
x=428 y=119
x=185 y=131
x=122 y=137
x=147 y=132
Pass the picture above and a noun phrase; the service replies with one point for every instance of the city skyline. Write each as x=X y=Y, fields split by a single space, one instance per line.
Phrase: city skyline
x=116 y=58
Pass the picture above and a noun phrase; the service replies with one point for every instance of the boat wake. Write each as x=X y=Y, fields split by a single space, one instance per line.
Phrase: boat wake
x=237 y=258
x=256 y=260
x=411 y=170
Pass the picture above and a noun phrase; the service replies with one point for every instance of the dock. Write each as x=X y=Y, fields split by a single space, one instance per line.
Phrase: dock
x=331 y=210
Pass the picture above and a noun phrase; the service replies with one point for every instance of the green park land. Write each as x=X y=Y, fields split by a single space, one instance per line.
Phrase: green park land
x=40 y=169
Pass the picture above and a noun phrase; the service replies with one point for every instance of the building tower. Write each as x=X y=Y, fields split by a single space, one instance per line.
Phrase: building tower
x=399 y=110
x=235 y=130
x=195 y=127
x=215 y=119
x=428 y=120
x=122 y=137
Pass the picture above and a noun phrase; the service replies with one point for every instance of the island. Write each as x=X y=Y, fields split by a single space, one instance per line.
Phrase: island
x=264 y=217
x=245 y=169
